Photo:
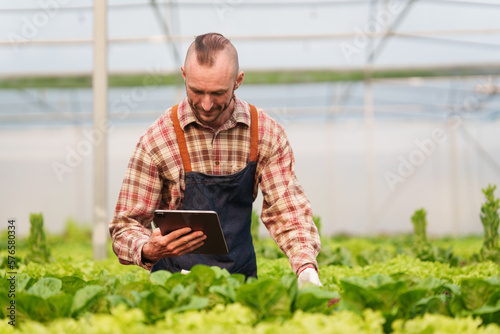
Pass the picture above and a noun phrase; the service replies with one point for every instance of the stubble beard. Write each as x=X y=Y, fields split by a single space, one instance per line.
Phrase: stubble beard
x=214 y=119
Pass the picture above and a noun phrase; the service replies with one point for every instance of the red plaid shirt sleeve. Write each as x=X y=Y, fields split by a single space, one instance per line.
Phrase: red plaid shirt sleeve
x=286 y=211
x=139 y=197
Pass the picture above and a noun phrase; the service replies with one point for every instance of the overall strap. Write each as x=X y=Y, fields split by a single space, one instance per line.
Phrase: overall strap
x=254 y=133
x=181 y=139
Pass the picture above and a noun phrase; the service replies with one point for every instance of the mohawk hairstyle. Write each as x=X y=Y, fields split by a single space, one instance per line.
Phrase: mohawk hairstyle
x=208 y=45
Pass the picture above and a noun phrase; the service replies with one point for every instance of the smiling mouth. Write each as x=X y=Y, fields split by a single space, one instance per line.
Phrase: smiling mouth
x=208 y=113
x=208 y=117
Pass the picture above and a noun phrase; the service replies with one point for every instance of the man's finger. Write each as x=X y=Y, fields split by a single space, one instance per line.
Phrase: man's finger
x=191 y=240
x=179 y=233
x=192 y=246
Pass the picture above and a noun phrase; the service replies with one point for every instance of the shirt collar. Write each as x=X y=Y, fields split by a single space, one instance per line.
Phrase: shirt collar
x=241 y=114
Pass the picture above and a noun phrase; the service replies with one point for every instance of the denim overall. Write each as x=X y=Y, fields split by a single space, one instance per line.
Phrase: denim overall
x=231 y=196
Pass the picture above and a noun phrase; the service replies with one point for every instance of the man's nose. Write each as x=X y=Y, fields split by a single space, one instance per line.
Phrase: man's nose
x=206 y=102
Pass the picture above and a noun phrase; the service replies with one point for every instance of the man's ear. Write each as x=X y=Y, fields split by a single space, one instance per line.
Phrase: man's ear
x=239 y=80
x=183 y=73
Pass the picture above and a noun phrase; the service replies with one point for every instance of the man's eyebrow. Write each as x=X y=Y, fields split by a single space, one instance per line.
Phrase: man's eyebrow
x=193 y=88
x=220 y=91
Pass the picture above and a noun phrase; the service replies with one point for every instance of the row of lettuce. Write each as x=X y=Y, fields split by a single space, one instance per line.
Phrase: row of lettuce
x=236 y=318
x=407 y=290
x=393 y=284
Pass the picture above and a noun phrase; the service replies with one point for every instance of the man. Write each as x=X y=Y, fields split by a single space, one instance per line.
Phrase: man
x=212 y=152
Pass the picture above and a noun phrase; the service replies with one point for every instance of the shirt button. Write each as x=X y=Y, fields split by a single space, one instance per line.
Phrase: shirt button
x=217 y=163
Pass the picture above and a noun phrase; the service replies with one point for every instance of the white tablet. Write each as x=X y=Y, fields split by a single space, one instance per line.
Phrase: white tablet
x=206 y=221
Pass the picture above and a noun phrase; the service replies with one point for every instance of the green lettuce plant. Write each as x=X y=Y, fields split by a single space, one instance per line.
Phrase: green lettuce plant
x=423 y=249
x=37 y=241
x=490 y=219
x=421 y=246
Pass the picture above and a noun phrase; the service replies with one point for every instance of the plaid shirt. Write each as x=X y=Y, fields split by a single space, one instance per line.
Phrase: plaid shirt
x=155 y=180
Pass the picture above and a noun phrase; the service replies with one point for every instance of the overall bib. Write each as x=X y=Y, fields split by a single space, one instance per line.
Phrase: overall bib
x=231 y=196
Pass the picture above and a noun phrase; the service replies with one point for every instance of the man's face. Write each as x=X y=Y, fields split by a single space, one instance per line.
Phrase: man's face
x=210 y=90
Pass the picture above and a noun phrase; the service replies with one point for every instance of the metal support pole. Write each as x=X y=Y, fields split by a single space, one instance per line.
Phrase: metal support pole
x=455 y=180
x=100 y=125
x=369 y=151
x=369 y=132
